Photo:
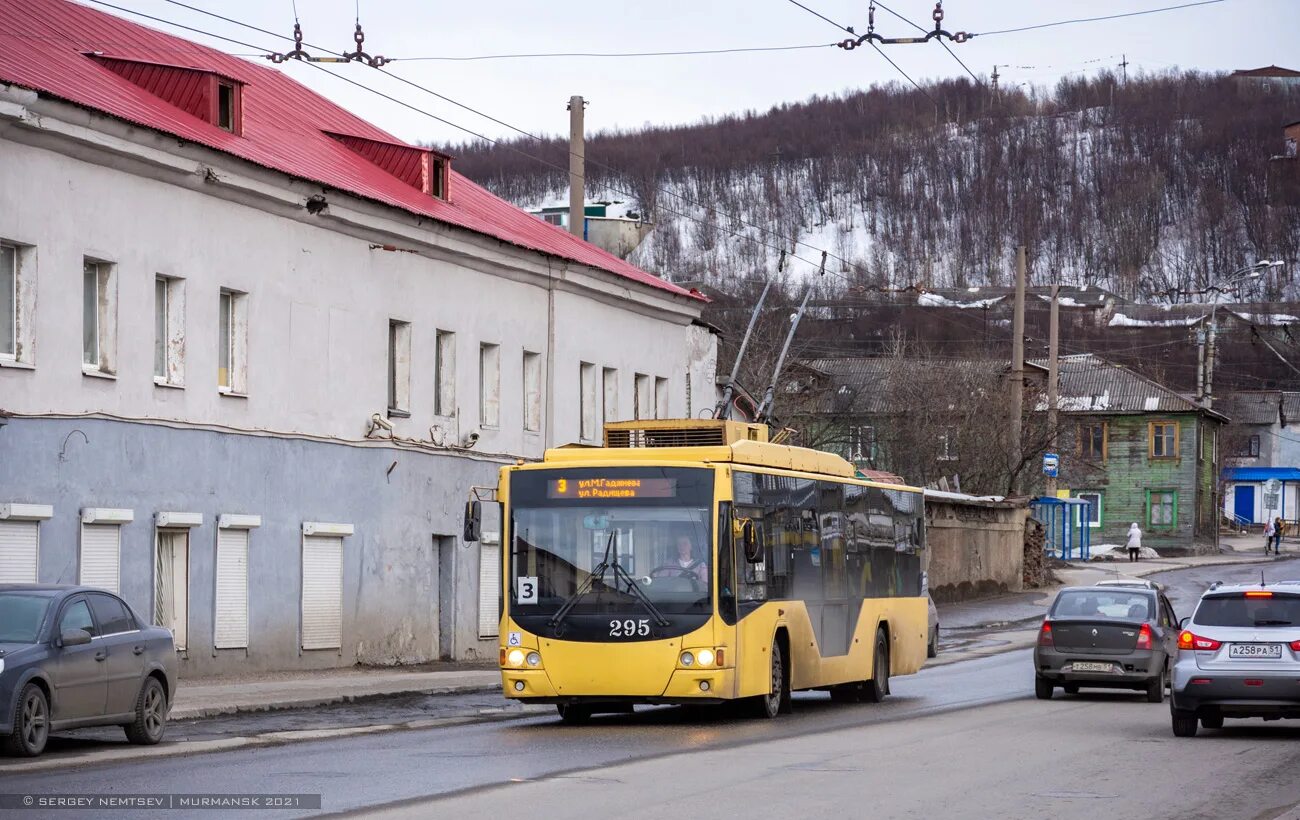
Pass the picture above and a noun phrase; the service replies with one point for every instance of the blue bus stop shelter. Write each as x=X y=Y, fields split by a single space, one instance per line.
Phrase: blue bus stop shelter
x=1065 y=520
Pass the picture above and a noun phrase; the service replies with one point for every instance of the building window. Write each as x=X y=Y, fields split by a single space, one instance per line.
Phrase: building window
x=19 y=551
x=232 y=353
x=98 y=317
x=948 y=444
x=587 y=401
x=642 y=397
x=554 y=219
x=489 y=385
x=322 y=591
x=862 y=444
x=444 y=365
x=230 y=624
x=1163 y=439
x=101 y=556
x=399 y=368
x=226 y=102
x=1092 y=513
x=1162 y=509
x=532 y=391
x=172 y=584
x=1249 y=447
x=661 y=398
x=1092 y=441
x=609 y=394
x=8 y=301
x=168 y=331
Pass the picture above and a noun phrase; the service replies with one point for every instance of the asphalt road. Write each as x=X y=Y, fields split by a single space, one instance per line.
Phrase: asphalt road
x=963 y=740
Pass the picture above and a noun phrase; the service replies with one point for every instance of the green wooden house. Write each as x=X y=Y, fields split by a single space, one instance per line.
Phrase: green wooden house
x=1139 y=452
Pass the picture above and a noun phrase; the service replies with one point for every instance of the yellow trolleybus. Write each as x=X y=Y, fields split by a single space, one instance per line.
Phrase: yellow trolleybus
x=693 y=562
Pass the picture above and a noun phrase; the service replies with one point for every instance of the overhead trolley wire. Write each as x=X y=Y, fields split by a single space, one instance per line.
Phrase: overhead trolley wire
x=535 y=138
x=449 y=123
x=1095 y=19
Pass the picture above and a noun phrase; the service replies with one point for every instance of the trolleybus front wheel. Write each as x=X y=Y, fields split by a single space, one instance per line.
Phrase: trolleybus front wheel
x=573 y=714
x=770 y=705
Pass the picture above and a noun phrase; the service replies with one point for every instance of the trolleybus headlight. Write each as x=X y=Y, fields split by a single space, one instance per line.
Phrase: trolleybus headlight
x=687 y=659
x=516 y=657
x=534 y=659
x=705 y=657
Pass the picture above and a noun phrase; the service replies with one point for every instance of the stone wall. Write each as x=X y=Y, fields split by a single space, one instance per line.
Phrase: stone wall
x=976 y=548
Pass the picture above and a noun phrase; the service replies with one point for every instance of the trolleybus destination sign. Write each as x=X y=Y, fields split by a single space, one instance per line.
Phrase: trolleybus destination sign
x=605 y=488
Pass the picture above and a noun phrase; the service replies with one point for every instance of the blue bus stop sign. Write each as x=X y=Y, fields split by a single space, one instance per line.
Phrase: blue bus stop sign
x=1051 y=461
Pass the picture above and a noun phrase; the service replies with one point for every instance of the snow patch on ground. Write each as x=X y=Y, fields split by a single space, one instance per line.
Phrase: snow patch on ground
x=1118 y=552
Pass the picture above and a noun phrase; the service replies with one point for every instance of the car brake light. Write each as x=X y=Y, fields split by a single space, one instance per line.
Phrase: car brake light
x=1295 y=645
x=1258 y=593
x=1186 y=640
x=1045 y=635
x=1144 y=637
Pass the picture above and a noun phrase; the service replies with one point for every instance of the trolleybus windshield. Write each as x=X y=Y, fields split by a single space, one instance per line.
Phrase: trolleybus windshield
x=590 y=547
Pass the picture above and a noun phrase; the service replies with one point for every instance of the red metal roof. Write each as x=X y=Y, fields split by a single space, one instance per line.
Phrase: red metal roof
x=44 y=46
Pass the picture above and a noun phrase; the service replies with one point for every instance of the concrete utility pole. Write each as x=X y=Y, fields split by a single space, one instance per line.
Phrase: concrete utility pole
x=1053 y=380
x=577 y=168
x=1017 y=365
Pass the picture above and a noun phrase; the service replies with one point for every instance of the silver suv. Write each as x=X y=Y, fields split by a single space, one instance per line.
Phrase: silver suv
x=1238 y=657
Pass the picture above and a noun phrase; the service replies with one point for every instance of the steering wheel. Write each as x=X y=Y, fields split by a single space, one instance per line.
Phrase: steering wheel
x=679 y=572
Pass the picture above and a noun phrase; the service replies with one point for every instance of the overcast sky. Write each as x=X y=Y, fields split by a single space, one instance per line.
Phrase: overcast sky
x=630 y=92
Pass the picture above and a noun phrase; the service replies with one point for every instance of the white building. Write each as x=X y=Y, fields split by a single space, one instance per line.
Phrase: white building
x=254 y=352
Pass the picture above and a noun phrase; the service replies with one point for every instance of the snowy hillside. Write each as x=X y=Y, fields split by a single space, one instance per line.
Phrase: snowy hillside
x=1168 y=183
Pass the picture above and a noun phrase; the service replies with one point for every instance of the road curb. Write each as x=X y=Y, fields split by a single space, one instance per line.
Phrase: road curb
x=186 y=748
x=313 y=701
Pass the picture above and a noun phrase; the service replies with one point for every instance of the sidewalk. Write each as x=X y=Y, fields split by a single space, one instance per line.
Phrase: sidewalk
x=207 y=697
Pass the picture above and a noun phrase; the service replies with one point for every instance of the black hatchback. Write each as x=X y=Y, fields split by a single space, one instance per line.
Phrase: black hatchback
x=1110 y=637
x=75 y=656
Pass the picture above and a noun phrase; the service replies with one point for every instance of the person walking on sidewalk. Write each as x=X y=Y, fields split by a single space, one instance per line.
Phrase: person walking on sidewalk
x=1279 y=527
x=1134 y=541
x=1269 y=528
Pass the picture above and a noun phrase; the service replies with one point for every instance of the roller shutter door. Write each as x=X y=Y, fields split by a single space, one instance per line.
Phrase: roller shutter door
x=322 y=592
x=18 y=551
x=101 y=556
x=489 y=590
x=231 y=631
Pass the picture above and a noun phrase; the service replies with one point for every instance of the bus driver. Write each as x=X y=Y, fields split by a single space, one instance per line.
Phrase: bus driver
x=686 y=564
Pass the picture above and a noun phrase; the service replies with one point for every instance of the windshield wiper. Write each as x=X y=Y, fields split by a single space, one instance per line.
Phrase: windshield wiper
x=1272 y=622
x=598 y=573
x=635 y=589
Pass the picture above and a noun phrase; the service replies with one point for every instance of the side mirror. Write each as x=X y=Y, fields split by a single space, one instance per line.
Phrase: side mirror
x=74 y=637
x=1183 y=623
x=473 y=520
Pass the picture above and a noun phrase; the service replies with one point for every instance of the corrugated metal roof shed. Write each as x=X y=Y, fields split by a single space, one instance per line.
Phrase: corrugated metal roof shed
x=1291 y=408
x=46 y=46
x=1253 y=407
x=1090 y=384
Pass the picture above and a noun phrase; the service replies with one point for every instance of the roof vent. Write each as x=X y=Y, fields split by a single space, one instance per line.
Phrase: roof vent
x=212 y=97
x=681 y=433
x=424 y=169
